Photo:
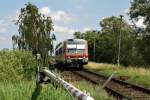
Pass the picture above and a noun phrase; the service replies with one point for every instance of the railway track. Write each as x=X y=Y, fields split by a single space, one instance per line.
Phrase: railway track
x=121 y=90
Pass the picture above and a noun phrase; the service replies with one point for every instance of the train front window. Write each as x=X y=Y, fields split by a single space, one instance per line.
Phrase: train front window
x=71 y=51
x=77 y=51
x=80 y=51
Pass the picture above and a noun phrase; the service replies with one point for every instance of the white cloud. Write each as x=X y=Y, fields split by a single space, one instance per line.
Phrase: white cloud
x=3 y=26
x=7 y=22
x=86 y=29
x=5 y=42
x=2 y=38
x=140 y=23
x=3 y=29
x=45 y=10
x=62 y=29
x=66 y=30
x=7 y=29
x=62 y=16
x=58 y=16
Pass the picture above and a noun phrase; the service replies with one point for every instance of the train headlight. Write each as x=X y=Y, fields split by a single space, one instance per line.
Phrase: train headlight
x=85 y=60
x=69 y=60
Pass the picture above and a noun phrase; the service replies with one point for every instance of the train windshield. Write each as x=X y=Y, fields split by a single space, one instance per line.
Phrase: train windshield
x=76 y=51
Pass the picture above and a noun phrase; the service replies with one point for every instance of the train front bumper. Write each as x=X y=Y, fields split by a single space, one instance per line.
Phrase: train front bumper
x=77 y=61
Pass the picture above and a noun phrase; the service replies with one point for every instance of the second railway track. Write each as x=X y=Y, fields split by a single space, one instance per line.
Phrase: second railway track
x=119 y=89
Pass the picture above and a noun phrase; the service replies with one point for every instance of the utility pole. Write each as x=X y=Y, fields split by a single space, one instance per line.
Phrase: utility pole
x=119 y=46
x=94 y=51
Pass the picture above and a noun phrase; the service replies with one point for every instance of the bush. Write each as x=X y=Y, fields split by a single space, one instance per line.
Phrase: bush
x=17 y=65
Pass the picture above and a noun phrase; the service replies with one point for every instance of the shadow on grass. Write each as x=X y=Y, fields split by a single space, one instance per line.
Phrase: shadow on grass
x=36 y=92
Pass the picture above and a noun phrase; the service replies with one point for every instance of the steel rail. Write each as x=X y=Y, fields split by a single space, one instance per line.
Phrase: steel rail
x=136 y=87
x=124 y=89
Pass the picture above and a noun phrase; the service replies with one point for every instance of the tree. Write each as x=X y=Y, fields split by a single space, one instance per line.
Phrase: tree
x=35 y=31
x=112 y=26
x=78 y=35
x=106 y=41
x=14 y=40
x=140 y=9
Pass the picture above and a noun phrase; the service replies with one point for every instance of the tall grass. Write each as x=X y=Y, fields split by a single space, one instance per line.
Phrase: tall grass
x=137 y=75
x=25 y=90
x=17 y=80
x=94 y=90
x=28 y=91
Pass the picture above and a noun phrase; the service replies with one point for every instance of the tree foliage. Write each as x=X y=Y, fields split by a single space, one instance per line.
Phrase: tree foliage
x=106 y=41
x=34 y=31
x=140 y=9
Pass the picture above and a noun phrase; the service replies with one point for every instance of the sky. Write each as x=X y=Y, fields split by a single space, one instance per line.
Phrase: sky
x=68 y=16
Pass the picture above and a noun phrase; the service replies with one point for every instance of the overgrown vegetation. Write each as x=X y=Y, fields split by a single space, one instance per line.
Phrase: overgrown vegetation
x=94 y=90
x=17 y=80
x=17 y=65
x=136 y=75
x=26 y=90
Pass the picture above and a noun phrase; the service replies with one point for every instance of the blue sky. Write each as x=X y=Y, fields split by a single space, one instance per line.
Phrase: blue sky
x=68 y=15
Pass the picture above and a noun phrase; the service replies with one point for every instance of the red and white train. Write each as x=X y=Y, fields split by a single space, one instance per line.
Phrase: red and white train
x=72 y=52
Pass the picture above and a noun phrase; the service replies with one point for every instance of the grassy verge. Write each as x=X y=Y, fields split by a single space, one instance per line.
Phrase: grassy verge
x=95 y=91
x=17 y=80
x=28 y=91
x=137 y=75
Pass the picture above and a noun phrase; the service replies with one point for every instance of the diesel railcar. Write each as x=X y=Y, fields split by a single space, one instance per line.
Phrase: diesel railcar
x=72 y=52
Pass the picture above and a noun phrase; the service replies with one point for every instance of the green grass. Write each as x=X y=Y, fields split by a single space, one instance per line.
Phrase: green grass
x=28 y=91
x=17 y=80
x=139 y=76
x=94 y=90
x=17 y=75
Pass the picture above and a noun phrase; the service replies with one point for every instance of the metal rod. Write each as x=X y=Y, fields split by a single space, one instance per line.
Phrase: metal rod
x=76 y=93
x=108 y=80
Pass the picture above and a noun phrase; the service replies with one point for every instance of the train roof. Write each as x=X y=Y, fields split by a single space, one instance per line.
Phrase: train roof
x=76 y=41
x=71 y=41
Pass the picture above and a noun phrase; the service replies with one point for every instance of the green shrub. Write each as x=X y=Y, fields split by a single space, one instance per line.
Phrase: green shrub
x=17 y=65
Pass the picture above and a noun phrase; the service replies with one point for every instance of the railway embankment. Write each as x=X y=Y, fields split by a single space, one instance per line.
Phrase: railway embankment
x=96 y=91
x=17 y=80
x=135 y=75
